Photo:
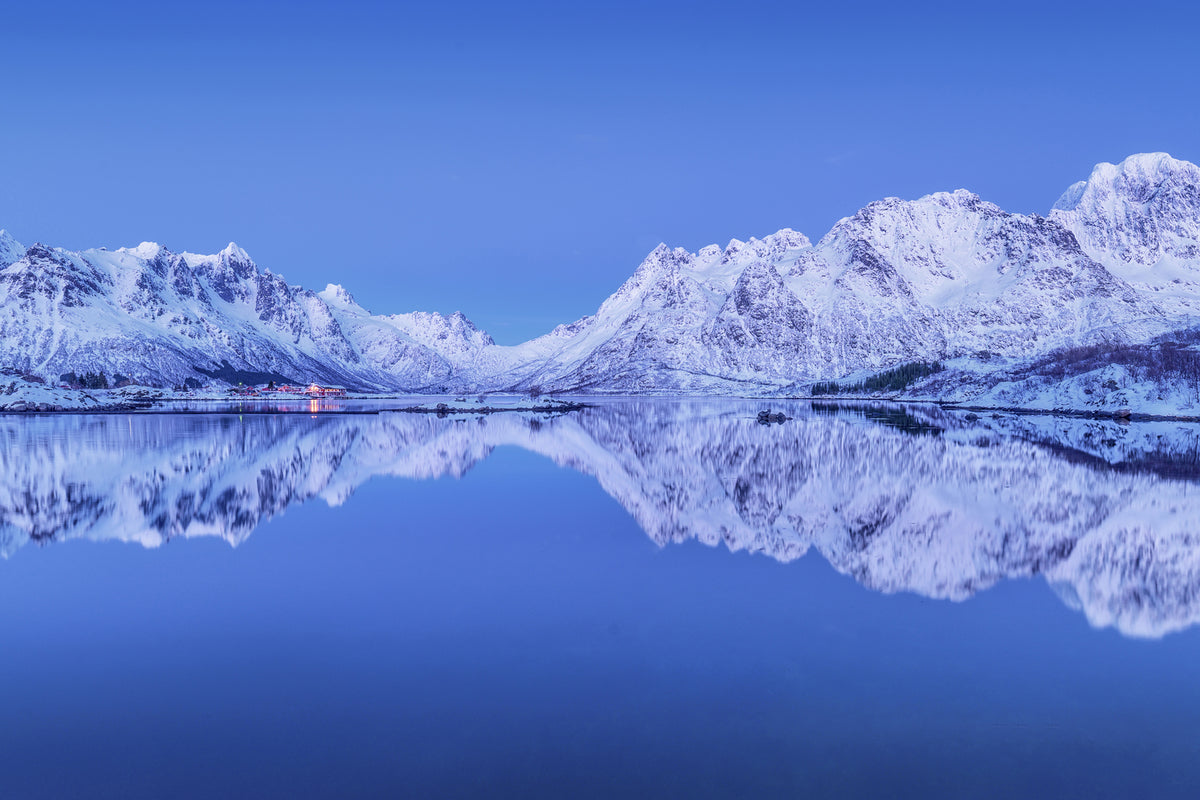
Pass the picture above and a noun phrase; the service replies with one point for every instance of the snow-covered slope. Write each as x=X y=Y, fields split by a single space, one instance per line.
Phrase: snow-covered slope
x=916 y=501
x=160 y=318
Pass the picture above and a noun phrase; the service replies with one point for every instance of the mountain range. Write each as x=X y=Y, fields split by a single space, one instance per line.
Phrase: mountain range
x=948 y=278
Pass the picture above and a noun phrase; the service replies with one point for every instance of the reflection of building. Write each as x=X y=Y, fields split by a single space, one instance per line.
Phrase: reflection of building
x=317 y=390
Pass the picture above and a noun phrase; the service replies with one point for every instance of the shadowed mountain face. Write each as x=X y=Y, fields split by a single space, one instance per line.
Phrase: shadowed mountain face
x=901 y=500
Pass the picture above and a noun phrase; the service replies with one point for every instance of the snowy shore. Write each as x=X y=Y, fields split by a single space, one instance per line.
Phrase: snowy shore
x=18 y=396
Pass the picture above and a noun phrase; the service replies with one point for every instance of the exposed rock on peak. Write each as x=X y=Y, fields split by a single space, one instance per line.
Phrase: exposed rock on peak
x=146 y=250
x=234 y=254
x=336 y=295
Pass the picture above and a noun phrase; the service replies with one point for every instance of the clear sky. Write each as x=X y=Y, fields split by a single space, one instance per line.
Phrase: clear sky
x=517 y=160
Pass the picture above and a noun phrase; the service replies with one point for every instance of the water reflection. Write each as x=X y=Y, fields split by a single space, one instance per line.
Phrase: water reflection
x=915 y=500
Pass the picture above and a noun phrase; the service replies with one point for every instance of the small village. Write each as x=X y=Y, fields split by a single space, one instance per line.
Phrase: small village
x=271 y=389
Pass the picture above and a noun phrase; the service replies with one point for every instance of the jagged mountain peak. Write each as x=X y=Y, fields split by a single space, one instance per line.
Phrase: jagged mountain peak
x=337 y=295
x=233 y=253
x=935 y=204
x=146 y=251
x=771 y=247
x=41 y=252
x=661 y=262
x=665 y=260
x=459 y=318
x=789 y=237
x=933 y=221
x=939 y=234
x=1137 y=179
x=1140 y=218
x=230 y=256
x=428 y=326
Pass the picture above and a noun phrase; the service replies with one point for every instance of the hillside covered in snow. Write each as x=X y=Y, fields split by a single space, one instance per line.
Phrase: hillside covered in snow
x=950 y=277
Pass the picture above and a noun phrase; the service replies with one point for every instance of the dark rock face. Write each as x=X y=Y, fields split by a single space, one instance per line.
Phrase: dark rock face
x=761 y=324
x=44 y=276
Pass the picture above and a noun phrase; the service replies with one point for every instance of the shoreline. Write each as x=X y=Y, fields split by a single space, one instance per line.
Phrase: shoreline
x=163 y=406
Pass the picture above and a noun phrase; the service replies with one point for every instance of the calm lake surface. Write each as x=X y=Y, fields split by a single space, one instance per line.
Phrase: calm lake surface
x=641 y=599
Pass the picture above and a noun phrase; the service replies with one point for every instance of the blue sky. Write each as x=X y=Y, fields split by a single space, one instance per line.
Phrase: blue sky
x=516 y=161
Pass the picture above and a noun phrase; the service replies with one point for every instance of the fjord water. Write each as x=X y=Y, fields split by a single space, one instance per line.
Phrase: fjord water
x=644 y=598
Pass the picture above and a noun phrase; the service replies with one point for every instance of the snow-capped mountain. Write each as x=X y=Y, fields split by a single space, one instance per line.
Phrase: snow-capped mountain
x=386 y=341
x=161 y=318
x=947 y=276
x=1140 y=218
x=916 y=501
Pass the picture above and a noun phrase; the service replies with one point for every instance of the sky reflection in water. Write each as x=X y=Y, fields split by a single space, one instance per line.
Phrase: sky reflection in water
x=516 y=631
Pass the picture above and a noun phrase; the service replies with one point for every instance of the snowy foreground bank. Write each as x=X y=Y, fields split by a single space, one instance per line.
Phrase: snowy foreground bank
x=1111 y=393
x=18 y=395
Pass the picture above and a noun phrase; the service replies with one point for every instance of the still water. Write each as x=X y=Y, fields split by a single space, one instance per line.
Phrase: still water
x=641 y=599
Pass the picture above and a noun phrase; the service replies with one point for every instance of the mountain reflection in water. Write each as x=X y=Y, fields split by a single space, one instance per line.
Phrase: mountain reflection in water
x=919 y=500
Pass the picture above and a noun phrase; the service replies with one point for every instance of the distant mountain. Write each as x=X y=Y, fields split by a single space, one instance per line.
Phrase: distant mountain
x=948 y=276
x=161 y=318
